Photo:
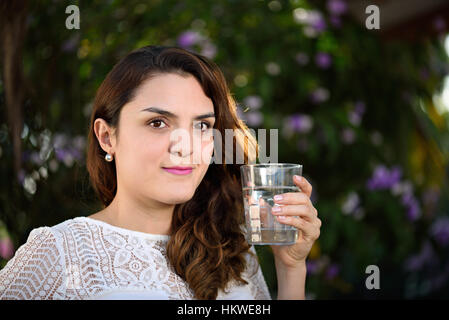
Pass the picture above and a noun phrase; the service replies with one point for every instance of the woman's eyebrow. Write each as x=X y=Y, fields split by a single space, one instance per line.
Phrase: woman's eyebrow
x=172 y=115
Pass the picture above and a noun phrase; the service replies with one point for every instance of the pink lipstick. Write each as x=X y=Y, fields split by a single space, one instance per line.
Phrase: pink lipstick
x=179 y=170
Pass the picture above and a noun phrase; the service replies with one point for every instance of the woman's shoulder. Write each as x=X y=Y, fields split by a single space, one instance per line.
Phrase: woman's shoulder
x=64 y=233
x=70 y=224
x=52 y=235
x=60 y=229
x=94 y=228
x=77 y=225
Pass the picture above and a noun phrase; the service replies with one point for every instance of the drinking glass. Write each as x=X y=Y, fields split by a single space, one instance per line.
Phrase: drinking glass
x=260 y=183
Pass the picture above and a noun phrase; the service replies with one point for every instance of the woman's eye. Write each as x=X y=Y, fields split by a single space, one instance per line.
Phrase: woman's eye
x=206 y=125
x=157 y=123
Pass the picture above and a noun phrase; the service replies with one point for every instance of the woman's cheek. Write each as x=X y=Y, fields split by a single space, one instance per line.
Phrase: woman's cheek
x=206 y=152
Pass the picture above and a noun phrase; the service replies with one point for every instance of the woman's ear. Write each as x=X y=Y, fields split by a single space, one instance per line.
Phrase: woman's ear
x=105 y=135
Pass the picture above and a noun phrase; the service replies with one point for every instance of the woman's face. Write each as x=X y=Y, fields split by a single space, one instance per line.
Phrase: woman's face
x=144 y=146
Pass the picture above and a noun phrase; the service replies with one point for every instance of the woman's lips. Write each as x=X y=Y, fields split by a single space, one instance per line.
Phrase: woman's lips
x=178 y=171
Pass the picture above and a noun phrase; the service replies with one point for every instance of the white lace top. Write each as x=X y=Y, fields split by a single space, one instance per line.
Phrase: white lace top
x=84 y=258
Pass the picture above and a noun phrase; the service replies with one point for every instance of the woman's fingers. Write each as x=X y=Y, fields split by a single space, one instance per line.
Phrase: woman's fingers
x=292 y=198
x=303 y=184
x=311 y=231
x=295 y=210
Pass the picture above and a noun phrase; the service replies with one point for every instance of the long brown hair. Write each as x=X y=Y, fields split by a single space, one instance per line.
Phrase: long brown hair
x=207 y=245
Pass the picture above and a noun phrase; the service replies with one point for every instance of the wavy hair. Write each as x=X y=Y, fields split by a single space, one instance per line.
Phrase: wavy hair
x=207 y=244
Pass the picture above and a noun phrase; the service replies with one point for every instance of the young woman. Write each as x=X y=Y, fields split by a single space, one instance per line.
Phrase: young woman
x=164 y=232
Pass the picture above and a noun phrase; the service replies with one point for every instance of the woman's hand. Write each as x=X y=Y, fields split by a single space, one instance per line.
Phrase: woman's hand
x=299 y=212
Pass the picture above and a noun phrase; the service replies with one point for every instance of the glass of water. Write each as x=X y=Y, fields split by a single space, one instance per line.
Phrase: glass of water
x=260 y=183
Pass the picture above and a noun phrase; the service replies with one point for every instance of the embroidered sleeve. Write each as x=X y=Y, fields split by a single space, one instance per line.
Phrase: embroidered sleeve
x=36 y=271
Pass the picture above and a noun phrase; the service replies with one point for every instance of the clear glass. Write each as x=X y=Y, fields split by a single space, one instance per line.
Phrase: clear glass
x=260 y=183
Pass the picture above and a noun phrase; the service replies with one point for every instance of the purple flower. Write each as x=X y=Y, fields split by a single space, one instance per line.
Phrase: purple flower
x=189 y=38
x=254 y=102
x=75 y=153
x=407 y=199
x=21 y=176
x=313 y=21
x=335 y=21
x=300 y=123
x=60 y=154
x=79 y=142
x=294 y=122
x=312 y=267
x=379 y=179
x=413 y=211
x=359 y=108
x=254 y=118
x=36 y=159
x=71 y=44
x=417 y=261
x=348 y=136
x=319 y=95
x=6 y=248
x=440 y=231
x=410 y=202
x=60 y=140
x=383 y=178
x=209 y=50
x=323 y=60
x=395 y=175
x=319 y=24
x=337 y=7
x=354 y=118
x=332 y=271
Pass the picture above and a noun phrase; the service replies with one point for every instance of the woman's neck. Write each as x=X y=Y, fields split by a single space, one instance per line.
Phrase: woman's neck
x=123 y=212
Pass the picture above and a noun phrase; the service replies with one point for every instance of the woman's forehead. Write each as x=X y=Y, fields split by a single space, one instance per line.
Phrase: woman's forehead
x=174 y=94
x=172 y=85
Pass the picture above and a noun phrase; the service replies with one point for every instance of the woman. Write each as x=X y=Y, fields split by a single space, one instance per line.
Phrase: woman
x=164 y=233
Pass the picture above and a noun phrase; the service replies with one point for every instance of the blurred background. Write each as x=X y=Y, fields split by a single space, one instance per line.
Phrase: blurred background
x=364 y=111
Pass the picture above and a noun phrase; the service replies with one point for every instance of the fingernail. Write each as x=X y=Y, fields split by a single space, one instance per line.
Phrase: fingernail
x=281 y=217
x=299 y=178
x=277 y=197
x=276 y=209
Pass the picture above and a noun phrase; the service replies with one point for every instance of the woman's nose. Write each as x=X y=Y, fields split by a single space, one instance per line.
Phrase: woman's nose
x=181 y=143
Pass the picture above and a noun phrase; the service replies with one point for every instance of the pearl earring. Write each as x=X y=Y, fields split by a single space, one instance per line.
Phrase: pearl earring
x=108 y=157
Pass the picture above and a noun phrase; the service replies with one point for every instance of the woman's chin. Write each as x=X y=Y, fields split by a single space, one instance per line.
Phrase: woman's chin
x=178 y=199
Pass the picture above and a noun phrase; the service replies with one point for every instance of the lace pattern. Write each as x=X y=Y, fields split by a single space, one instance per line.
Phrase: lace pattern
x=36 y=270
x=83 y=258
